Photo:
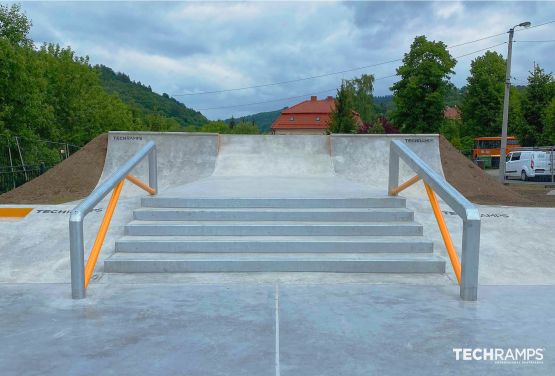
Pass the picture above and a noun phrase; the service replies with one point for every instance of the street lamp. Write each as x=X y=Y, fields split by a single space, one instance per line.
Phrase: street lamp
x=503 y=151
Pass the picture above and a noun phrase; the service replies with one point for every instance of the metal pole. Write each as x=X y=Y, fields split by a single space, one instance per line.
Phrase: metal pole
x=504 y=126
x=77 y=256
x=21 y=158
x=393 y=181
x=153 y=170
x=11 y=162
x=470 y=256
x=552 y=148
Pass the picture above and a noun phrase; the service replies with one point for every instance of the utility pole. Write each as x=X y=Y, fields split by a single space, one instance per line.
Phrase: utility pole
x=504 y=126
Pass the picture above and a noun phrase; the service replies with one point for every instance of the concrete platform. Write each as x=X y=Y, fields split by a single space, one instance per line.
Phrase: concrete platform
x=280 y=323
x=268 y=329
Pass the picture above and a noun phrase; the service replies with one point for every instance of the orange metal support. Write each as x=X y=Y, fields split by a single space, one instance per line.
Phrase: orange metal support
x=405 y=185
x=444 y=233
x=91 y=262
x=139 y=183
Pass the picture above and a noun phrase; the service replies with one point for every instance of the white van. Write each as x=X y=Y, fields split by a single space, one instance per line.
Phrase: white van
x=527 y=164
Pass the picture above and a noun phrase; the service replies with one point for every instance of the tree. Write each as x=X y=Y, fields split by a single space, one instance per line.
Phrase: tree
x=549 y=123
x=14 y=25
x=419 y=95
x=482 y=107
x=341 y=118
x=361 y=89
x=538 y=95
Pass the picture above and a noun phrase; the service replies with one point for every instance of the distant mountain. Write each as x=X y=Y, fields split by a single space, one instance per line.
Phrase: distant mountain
x=263 y=120
x=148 y=102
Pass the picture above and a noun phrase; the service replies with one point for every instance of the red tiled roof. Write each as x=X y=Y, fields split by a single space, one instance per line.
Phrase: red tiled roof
x=312 y=106
x=305 y=115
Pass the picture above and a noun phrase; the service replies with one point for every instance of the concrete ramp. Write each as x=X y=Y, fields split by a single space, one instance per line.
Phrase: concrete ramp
x=285 y=155
x=182 y=157
x=269 y=165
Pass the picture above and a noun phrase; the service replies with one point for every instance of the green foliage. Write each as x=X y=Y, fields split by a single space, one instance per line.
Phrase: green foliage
x=220 y=126
x=263 y=120
x=539 y=93
x=361 y=90
x=14 y=25
x=419 y=95
x=549 y=123
x=341 y=118
x=451 y=130
x=145 y=101
x=377 y=128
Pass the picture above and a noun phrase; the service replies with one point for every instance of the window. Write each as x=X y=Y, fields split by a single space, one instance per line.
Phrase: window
x=516 y=157
x=317 y=118
x=291 y=118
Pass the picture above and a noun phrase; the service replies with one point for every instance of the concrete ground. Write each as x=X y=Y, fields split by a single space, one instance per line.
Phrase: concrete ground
x=273 y=323
x=270 y=329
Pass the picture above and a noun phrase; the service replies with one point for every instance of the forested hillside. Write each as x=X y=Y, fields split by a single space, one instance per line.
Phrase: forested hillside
x=142 y=98
x=263 y=120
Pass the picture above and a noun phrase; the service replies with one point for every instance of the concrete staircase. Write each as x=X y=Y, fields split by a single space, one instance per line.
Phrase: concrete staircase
x=361 y=235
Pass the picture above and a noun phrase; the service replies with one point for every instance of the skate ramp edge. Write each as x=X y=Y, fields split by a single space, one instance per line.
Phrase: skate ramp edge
x=187 y=157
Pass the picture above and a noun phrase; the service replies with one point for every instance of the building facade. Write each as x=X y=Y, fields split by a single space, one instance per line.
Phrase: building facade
x=308 y=117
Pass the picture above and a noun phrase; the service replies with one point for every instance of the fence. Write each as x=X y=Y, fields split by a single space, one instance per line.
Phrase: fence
x=23 y=159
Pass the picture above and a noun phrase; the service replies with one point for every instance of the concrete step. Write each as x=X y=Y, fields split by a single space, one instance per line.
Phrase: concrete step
x=274 y=214
x=274 y=244
x=180 y=202
x=224 y=228
x=249 y=262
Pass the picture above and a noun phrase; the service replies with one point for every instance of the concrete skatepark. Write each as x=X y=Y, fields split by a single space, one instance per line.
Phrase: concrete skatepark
x=222 y=317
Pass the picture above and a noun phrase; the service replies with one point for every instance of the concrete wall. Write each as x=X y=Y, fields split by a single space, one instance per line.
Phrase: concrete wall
x=186 y=157
x=274 y=155
x=365 y=158
x=182 y=157
x=300 y=131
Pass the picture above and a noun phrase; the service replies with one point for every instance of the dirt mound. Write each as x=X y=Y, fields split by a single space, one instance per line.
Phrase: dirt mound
x=70 y=180
x=472 y=182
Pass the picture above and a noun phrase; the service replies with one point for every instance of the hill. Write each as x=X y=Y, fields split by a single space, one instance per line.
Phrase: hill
x=263 y=120
x=148 y=102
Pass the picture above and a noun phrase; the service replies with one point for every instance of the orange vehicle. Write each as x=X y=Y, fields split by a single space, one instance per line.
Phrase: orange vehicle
x=488 y=150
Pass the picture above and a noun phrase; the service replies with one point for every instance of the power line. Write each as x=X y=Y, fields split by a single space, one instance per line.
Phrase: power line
x=283 y=99
x=324 y=74
x=289 y=81
x=535 y=41
x=476 y=40
x=324 y=91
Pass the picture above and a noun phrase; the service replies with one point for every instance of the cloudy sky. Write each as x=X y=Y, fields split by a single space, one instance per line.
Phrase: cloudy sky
x=194 y=47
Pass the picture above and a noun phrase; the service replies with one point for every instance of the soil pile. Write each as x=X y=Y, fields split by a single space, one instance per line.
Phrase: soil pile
x=473 y=183
x=70 y=180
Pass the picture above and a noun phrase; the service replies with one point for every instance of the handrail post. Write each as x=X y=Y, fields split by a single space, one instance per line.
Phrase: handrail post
x=393 y=170
x=77 y=256
x=470 y=259
x=153 y=169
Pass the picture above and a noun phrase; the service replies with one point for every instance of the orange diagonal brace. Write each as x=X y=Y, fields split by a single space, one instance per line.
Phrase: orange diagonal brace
x=444 y=232
x=139 y=183
x=405 y=185
x=91 y=262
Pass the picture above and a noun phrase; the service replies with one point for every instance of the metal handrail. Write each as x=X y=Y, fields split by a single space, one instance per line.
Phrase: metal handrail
x=78 y=214
x=464 y=208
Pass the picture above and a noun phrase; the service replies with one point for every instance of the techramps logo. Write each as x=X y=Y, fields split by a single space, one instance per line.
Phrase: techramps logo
x=524 y=355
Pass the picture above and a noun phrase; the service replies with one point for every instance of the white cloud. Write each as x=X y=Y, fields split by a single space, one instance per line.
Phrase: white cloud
x=186 y=47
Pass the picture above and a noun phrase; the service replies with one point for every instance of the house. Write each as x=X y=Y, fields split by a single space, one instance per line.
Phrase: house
x=308 y=117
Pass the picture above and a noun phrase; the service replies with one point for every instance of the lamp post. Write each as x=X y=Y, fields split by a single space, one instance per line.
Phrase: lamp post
x=503 y=151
